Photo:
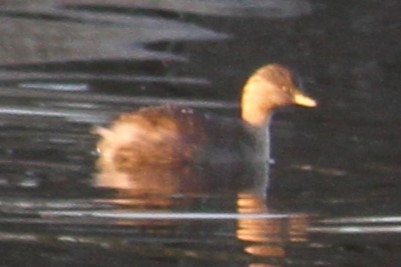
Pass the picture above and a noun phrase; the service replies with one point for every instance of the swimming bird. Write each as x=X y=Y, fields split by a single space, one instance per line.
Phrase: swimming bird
x=190 y=150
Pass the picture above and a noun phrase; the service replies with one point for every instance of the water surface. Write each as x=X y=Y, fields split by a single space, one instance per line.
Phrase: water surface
x=68 y=66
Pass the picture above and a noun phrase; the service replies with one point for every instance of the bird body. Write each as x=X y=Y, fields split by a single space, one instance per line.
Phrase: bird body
x=176 y=140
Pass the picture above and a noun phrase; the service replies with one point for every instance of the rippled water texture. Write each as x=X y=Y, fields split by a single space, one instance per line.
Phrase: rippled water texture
x=68 y=66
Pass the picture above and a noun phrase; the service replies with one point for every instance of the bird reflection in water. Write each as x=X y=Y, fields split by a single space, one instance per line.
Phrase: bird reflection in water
x=269 y=236
x=159 y=152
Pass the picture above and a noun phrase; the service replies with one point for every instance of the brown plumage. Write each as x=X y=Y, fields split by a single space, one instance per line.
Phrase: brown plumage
x=178 y=140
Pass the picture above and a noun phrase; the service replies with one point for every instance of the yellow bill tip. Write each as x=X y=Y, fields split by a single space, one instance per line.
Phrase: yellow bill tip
x=303 y=100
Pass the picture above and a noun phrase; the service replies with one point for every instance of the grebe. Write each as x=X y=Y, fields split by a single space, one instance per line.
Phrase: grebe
x=172 y=140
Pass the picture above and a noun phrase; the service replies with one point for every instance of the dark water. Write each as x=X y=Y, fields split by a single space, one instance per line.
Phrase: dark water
x=68 y=66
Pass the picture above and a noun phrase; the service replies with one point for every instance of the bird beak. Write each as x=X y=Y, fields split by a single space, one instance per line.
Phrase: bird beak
x=303 y=100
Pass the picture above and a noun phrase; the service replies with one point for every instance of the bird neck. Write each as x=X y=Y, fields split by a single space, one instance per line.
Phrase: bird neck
x=262 y=136
x=254 y=112
x=255 y=116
